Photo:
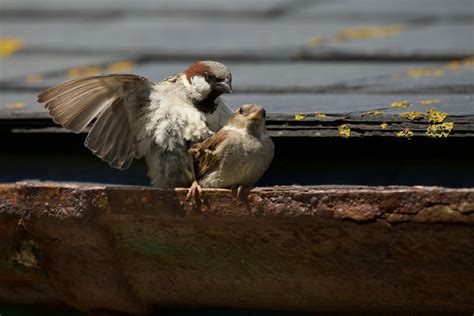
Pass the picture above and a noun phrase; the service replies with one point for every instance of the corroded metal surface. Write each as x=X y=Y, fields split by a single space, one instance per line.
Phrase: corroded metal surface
x=133 y=249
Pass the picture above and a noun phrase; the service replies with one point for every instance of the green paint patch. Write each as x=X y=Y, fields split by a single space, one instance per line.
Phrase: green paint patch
x=19 y=254
x=187 y=249
x=441 y=211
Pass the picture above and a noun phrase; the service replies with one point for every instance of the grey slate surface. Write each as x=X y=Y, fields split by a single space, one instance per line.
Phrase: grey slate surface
x=188 y=36
x=262 y=42
x=16 y=67
x=288 y=103
x=127 y=5
x=277 y=77
x=183 y=36
x=388 y=10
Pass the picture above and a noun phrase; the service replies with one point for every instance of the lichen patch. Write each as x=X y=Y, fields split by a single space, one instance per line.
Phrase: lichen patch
x=440 y=130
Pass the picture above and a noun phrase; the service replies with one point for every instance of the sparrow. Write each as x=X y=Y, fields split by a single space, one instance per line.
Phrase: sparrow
x=235 y=157
x=134 y=117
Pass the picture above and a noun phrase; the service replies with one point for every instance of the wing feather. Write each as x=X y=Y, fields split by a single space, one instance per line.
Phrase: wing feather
x=110 y=99
x=205 y=159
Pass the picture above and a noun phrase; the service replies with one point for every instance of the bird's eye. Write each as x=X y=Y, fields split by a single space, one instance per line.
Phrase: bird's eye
x=208 y=77
x=241 y=110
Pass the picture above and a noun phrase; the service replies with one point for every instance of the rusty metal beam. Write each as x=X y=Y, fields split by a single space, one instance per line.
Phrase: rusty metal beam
x=340 y=249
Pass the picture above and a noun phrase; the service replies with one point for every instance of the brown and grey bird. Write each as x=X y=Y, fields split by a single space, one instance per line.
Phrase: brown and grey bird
x=236 y=157
x=134 y=117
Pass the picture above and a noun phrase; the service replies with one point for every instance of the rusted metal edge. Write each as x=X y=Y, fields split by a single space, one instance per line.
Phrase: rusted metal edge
x=134 y=249
x=360 y=204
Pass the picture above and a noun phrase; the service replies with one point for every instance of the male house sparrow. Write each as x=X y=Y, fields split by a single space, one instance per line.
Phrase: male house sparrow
x=136 y=117
x=236 y=156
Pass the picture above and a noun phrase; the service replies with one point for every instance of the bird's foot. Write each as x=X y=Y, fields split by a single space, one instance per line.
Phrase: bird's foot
x=194 y=194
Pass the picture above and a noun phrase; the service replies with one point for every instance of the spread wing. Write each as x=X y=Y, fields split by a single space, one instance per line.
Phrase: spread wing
x=205 y=157
x=113 y=100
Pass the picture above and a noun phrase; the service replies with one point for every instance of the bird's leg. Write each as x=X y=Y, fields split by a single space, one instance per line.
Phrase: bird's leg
x=234 y=191
x=243 y=196
x=194 y=193
x=195 y=189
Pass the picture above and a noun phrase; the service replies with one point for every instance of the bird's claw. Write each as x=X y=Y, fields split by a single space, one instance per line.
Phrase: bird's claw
x=194 y=194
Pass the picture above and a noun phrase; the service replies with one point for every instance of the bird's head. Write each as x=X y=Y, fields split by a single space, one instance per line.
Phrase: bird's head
x=250 y=117
x=206 y=81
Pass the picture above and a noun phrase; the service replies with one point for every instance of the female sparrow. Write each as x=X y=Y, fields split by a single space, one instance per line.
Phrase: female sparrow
x=236 y=156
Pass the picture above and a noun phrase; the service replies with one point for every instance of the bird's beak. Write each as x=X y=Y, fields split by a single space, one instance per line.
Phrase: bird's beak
x=223 y=86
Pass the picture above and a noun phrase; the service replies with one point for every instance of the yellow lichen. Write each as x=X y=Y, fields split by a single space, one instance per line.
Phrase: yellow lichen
x=82 y=71
x=436 y=116
x=412 y=115
x=468 y=62
x=360 y=33
x=90 y=71
x=25 y=255
x=299 y=116
x=73 y=73
x=384 y=125
x=344 y=131
x=33 y=78
x=420 y=72
x=406 y=133
x=454 y=65
x=457 y=64
x=25 y=258
x=429 y=101
x=316 y=41
x=122 y=66
x=9 y=45
x=373 y=113
x=13 y=106
x=401 y=104
x=320 y=115
x=440 y=130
